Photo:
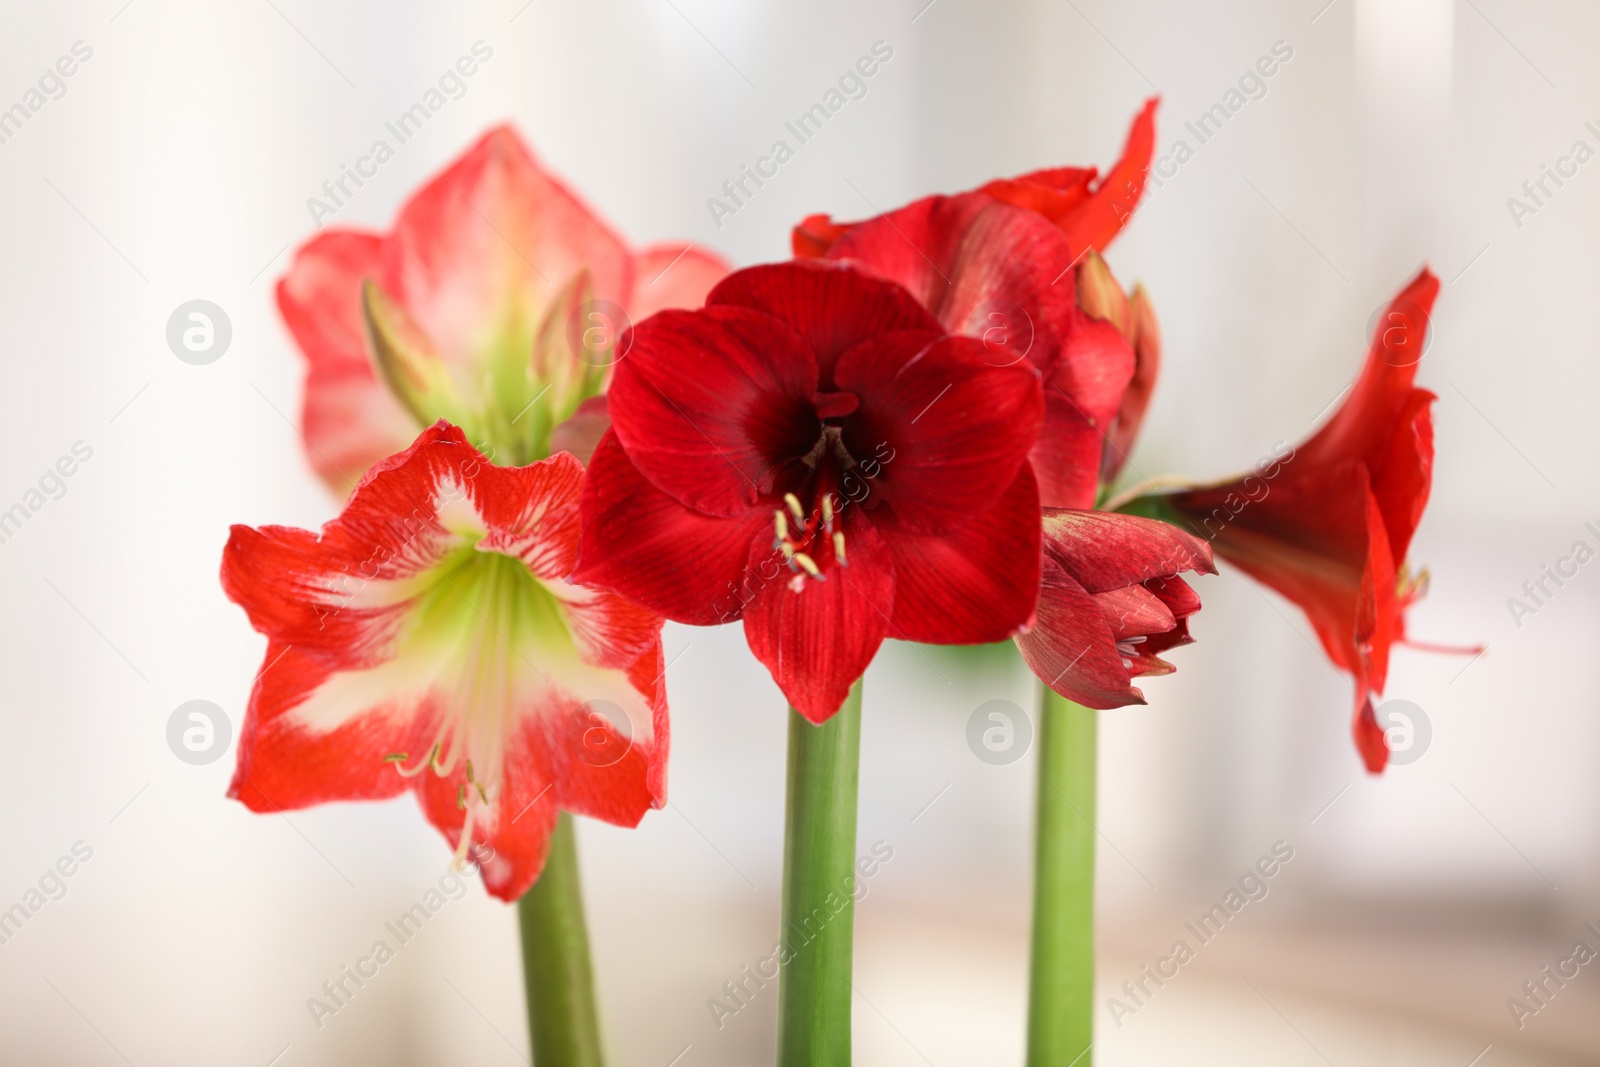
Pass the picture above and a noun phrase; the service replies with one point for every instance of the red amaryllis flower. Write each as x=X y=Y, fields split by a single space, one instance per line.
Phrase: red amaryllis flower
x=1111 y=602
x=1089 y=213
x=813 y=453
x=1329 y=524
x=428 y=640
x=1005 y=275
x=495 y=302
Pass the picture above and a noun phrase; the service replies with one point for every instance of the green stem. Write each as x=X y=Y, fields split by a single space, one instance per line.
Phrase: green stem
x=819 y=844
x=562 y=1015
x=1061 y=975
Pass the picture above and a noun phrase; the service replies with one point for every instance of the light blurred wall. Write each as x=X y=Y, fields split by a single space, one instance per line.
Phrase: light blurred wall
x=177 y=165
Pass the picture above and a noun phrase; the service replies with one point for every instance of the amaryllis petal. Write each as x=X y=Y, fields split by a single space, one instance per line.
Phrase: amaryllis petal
x=687 y=565
x=513 y=289
x=958 y=427
x=1083 y=392
x=829 y=308
x=429 y=636
x=817 y=635
x=977 y=580
x=349 y=418
x=481 y=250
x=1090 y=215
x=1109 y=602
x=706 y=400
x=674 y=275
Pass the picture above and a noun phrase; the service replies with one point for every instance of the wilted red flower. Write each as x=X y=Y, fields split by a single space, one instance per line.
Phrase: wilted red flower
x=429 y=640
x=494 y=302
x=813 y=453
x=1111 y=603
x=1328 y=525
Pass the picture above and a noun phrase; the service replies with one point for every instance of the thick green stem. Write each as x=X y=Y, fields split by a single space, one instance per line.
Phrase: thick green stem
x=562 y=1015
x=1061 y=975
x=819 y=844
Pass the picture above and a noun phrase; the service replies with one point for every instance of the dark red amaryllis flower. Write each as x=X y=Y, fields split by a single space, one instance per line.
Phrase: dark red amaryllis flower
x=1006 y=276
x=813 y=453
x=428 y=640
x=1328 y=524
x=1111 y=602
x=1088 y=212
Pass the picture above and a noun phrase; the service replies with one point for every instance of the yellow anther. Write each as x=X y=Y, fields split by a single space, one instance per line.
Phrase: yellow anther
x=827 y=508
x=838 y=547
x=781 y=523
x=808 y=565
x=469 y=770
x=787 y=549
x=461 y=797
x=481 y=793
x=396 y=757
x=794 y=506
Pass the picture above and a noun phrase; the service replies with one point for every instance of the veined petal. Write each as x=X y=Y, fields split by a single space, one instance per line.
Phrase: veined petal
x=457 y=647
x=977 y=581
x=350 y=419
x=829 y=307
x=1071 y=647
x=958 y=428
x=478 y=254
x=710 y=404
x=1082 y=393
x=818 y=634
x=645 y=545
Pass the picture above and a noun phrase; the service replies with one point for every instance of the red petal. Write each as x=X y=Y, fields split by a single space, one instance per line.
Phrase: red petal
x=983 y=268
x=709 y=404
x=1136 y=398
x=817 y=637
x=580 y=434
x=957 y=428
x=1364 y=425
x=1105 y=550
x=1090 y=218
x=1071 y=648
x=673 y=276
x=974 y=583
x=350 y=419
x=1083 y=391
x=1370 y=739
x=479 y=252
x=645 y=545
x=829 y=307
x=284 y=766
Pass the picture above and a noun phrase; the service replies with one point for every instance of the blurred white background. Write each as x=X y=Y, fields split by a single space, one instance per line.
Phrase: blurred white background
x=176 y=166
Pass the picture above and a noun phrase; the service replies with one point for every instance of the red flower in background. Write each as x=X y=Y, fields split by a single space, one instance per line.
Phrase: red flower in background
x=1111 y=603
x=1088 y=213
x=1330 y=526
x=428 y=640
x=495 y=302
x=813 y=453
